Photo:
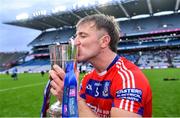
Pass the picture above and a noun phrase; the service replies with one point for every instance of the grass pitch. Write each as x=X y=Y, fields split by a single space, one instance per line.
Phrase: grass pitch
x=166 y=94
x=23 y=97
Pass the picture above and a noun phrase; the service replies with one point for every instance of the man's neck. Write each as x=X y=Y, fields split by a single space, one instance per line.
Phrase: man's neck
x=103 y=60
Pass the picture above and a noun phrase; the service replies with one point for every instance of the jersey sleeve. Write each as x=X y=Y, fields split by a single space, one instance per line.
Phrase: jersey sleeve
x=127 y=98
x=130 y=91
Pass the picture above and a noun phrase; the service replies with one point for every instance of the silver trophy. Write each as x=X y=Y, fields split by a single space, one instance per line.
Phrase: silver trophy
x=60 y=54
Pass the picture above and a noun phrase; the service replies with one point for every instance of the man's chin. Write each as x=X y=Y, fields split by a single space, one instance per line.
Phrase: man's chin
x=80 y=59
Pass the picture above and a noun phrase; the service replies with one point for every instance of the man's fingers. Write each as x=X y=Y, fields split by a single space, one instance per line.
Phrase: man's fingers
x=54 y=92
x=54 y=85
x=55 y=78
x=60 y=72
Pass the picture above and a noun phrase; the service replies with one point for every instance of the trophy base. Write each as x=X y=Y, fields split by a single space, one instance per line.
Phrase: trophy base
x=55 y=110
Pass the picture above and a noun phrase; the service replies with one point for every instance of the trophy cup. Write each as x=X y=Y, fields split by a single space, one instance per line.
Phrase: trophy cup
x=62 y=55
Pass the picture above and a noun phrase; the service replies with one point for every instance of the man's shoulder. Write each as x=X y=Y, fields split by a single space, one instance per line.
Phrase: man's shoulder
x=126 y=67
x=126 y=64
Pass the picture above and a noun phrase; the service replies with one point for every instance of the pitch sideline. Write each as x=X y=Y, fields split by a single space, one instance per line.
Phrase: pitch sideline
x=30 y=85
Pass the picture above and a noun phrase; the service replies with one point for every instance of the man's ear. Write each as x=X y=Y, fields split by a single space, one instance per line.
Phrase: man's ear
x=105 y=41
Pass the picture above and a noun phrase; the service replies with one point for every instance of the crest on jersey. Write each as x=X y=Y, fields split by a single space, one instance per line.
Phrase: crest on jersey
x=105 y=92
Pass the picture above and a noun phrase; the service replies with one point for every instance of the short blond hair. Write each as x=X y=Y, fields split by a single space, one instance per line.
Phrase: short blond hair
x=106 y=22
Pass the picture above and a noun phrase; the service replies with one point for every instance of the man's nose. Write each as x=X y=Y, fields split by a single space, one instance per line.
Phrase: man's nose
x=76 y=41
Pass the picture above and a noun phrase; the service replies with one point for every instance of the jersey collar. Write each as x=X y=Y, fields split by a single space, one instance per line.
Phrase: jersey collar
x=113 y=62
x=110 y=65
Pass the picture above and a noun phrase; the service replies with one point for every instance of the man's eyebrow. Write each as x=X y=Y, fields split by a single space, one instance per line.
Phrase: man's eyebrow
x=81 y=33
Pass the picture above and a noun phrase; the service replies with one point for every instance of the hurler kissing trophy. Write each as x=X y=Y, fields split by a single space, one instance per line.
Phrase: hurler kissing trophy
x=63 y=55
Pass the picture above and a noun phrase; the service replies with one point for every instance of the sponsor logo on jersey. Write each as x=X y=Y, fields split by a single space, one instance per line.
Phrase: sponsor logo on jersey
x=132 y=94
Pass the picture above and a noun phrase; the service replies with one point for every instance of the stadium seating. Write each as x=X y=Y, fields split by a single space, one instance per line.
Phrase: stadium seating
x=133 y=57
x=159 y=59
x=33 y=66
x=50 y=37
x=7 y=59
x=145 y=44
x=175 y=56
x=150 y=24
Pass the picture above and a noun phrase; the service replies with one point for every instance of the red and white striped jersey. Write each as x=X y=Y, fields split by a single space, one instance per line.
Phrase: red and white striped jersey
x=123 y=86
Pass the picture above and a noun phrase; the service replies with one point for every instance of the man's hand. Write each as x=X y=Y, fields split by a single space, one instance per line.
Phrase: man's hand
x=57 y=75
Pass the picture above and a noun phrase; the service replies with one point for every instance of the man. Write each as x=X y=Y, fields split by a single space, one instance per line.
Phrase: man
x=42 y=73
x=14 y=74
x=116 y=87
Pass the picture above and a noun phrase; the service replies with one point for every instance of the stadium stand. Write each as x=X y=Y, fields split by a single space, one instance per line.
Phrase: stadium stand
x=10 y=59
x=175 y=56
x=149 y=42
x=33 y=66
x=156 y=60
x=49 y=37
x=150 y=24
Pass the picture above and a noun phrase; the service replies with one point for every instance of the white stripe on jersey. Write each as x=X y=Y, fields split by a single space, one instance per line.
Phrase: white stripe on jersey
x=122 y=67
x=126 y=105
x=130 y=72
x=124 y=85
x=131 y=107
x=132 y=80
x=123 y=79
x=126 y=77
x=121 y=104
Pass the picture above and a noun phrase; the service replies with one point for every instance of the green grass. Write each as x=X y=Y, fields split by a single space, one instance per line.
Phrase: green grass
x=23 y=97
x=26 y=97
x=166 y=94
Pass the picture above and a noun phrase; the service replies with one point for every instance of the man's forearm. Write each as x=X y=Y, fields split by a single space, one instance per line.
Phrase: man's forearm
x=84 y=110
